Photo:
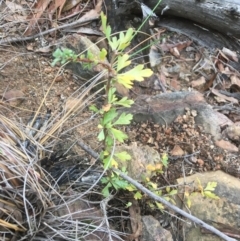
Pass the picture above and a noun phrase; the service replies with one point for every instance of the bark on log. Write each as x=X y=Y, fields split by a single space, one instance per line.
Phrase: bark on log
x=221 y=15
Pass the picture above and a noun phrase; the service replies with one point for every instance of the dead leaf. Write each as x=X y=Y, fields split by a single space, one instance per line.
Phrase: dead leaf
x=71 y=103
x=177 y=151
x=199 y=82
x=94 y=13
x=180 y=46
x=121 y=89
x=235 y=80
x=39 y=9
x=13 y=7
x=223 y=98
x=154 y=56
x=220 y=67
x=174 y=83
x=174 y=51
x=14 y=97
x=55 y=5
x=209 y=83
x=106 y=107
x=226 y=145
x=200 y=162
x=230 y=54
x=70 y=4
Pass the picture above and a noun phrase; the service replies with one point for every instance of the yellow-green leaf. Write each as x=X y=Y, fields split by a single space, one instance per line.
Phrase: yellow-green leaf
x=123 y=156
x=119 y=135
x=168 y=189
x=103 y=54
x=138 y=72
x=210 y=186
x=122 y=62
x=159 y=205
x=125 y=80
x=210 y=195
x=165 y=159
x=113 y=163
x=189 y=203
x=129 y=204
x=137 y=195
x=130 y=188
x=153 y=185
x=101 y=135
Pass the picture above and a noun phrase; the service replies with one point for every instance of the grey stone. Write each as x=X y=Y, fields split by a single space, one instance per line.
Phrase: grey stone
x=152 y=230
x=163 y=109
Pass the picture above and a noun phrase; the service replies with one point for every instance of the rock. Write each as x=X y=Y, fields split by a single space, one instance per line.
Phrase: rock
x=225 y=210
x=152 y=230
x=233 y=132
x=142 y=158
x=163 y=109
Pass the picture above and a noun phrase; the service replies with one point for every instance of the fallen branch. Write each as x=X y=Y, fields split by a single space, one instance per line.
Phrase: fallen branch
x=159 y=199
x=68 y=25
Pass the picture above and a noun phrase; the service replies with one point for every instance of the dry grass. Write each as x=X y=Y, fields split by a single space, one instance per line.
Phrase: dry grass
x=32 y=205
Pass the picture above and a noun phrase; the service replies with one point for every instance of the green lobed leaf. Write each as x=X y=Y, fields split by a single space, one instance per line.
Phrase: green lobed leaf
x=137 y=195
x=123 y=62
x=114 y=43
x=125 y=102
x=104 y=22
x=125 y=81
x=104 y=180
x=109 y=116
x=210 y=195
x=103 y=54
x=90 y=55
x=210 y=186
x=106 y=162
x=124 y=40
x=101 y=135
x=124 y=119
x=129 y=204
x=173 y=192
x=93 y=108
x=109 y=141
x=105 y=190
x=111 y=96
x=119 y=135
x=123 y=156
x=165 y=159
x=119 y=183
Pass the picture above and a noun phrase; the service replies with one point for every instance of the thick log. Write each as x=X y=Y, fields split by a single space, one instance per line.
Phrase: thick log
x=221 y=15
